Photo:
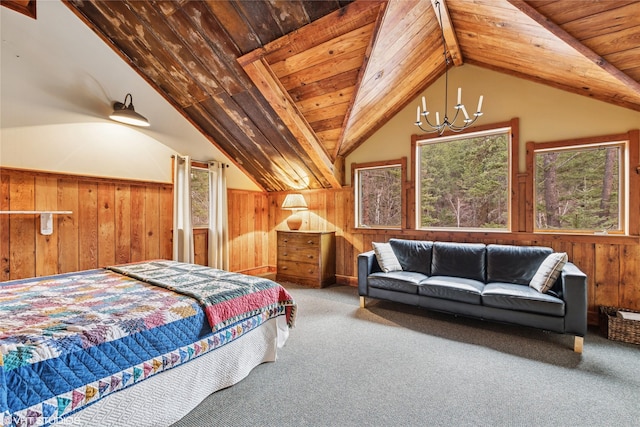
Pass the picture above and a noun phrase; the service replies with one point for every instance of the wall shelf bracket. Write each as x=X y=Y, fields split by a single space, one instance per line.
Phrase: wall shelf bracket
x=46 y=218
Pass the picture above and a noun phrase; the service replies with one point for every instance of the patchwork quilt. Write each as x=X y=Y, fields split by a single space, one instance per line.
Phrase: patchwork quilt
x=67 y=341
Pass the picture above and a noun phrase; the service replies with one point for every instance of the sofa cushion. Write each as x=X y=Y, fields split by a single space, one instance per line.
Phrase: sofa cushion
x=413 y=255
x=452 y=288
x=400 y=281
x=514 y=264
x=515 y=297
x=548 y=272
x=386 y=258
x=467 y=260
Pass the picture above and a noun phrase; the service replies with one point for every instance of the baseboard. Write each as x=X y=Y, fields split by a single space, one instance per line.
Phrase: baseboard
x=346 y=280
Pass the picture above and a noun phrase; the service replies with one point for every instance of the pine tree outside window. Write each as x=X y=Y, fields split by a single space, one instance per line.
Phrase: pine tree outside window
x=463 y=181
x=580 y=188
x=199 y=197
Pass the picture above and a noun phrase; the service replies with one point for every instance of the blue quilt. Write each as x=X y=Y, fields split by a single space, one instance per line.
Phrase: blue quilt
x=67 y=341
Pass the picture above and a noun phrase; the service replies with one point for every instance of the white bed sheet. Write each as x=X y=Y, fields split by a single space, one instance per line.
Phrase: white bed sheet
x=167 y=397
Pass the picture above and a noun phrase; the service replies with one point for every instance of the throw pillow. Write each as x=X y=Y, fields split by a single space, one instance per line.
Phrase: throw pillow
x=548 y=272
x=386 y=257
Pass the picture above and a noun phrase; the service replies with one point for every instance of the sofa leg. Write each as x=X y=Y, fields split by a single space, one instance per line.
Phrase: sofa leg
x=578 y=344
x=362 y=302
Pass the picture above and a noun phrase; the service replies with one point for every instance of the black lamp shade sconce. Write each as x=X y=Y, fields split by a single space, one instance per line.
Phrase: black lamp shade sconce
x=125 y=113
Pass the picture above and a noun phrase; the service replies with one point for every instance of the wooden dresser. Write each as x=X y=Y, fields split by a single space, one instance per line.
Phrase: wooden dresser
x=307 y=257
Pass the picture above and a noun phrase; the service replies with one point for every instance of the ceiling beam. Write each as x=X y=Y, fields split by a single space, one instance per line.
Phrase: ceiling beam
x=559 y=32
x=449 y=33
x=277 y=96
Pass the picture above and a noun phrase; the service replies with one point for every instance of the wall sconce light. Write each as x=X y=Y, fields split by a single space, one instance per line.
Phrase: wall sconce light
x=124 y=113
x=294 y=202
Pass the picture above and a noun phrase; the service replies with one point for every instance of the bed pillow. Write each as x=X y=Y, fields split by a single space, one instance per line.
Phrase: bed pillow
x=548 y=272
x=386 y=257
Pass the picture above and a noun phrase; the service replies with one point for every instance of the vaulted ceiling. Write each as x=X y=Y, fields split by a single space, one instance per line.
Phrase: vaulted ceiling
x=287 y=89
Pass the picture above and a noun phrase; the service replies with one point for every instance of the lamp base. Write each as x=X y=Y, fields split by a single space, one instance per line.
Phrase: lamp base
x=294 y=221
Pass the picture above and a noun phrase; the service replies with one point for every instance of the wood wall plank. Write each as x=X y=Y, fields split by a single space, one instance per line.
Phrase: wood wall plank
x=607 y=284
x=152 y=223
x=46 y=198
x=106 y=225
x=138 y=241
x=22 y=228
x=87 y=217
x=68 y=226
x=4 y=228
x=200 y=246
x=629 y=277
x=122 y=223
x=166 y=222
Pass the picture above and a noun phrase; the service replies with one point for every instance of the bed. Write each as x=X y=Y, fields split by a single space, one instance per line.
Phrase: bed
x=139 y=344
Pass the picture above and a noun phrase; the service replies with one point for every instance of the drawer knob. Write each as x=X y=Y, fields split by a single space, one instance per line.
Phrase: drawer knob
x=309 y=256
x=285 y=268
x=285 y=254
x=310 y=242
x=285 y=240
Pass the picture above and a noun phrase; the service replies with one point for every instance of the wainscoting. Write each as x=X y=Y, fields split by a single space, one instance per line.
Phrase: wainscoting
x=116 y=221
x=612 y=263
x=112 y=221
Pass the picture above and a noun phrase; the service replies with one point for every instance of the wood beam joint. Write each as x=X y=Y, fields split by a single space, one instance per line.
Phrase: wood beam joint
x=450 y=37
x=274 y=92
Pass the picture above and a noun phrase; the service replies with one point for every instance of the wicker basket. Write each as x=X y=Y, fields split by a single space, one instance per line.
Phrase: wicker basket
x=617 y=328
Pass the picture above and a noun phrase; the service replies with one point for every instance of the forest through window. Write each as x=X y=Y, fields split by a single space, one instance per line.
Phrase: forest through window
x=379 y=196
x=579 y=188
x=199 y=197
x=464 y=181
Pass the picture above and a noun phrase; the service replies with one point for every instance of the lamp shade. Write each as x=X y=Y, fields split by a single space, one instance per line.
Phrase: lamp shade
x=294 y=202
x=124 y=113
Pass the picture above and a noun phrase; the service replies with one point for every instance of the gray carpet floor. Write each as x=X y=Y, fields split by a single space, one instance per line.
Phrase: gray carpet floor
x=394 y=365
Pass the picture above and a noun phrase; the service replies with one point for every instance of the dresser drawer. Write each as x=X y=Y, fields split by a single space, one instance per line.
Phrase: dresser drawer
x=297 y=254
x=298 y=269
x=298 y=240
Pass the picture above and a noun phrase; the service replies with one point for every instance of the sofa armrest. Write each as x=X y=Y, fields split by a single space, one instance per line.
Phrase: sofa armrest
x=367 y=264
x=574 y=290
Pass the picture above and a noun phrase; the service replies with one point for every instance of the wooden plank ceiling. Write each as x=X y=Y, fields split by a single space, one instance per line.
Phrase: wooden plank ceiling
x=289 y=88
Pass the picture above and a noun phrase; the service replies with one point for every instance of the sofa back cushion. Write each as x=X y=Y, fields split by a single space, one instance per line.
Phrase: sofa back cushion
x=514 y=264
x=466 y=260
x=413 y=255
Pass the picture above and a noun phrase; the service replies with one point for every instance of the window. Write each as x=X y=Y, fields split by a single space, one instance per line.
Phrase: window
x=378 y=198
x=463 y=180
x=580 y=188
x=199 y=197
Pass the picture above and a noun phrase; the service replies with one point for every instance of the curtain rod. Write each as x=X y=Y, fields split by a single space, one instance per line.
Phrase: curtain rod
x=173 y=156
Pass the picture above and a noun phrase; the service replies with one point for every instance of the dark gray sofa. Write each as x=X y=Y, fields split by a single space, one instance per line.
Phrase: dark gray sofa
x=483 y=281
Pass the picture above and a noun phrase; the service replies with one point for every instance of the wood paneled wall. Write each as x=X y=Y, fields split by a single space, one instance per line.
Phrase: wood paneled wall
x=117 y=221
x=112 y=222
x=249 y=232
x=612 y=263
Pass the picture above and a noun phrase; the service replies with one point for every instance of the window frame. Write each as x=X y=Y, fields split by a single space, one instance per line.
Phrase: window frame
x=355 y=167
x=629 y=181
x=513 y=209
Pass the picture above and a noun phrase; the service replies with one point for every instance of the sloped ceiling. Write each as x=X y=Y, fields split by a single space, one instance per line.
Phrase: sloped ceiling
x=289 y=88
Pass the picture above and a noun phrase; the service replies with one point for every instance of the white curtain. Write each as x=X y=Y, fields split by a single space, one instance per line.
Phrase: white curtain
x=182 y=229
x=218 y=221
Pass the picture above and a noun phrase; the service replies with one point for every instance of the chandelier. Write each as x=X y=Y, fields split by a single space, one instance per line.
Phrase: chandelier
x=438 y=126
